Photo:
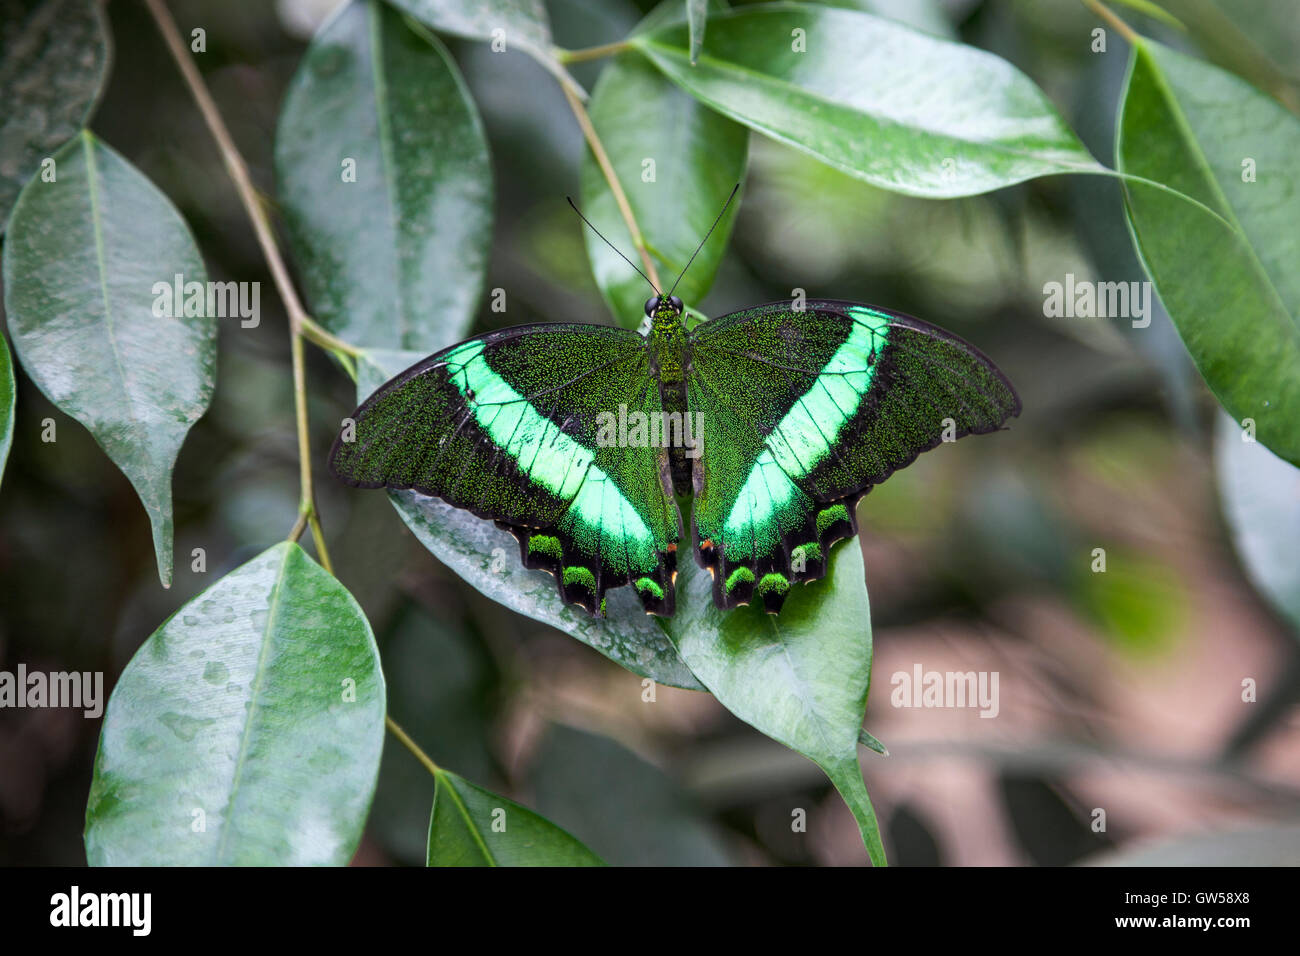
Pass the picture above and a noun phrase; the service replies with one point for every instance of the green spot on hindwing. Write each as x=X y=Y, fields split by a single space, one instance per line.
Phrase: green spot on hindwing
x=741 y=575
x=810 y=552
x=650 y=586
x=772 y=583
x=829 y=516
x=545 y=544
x=576 y=574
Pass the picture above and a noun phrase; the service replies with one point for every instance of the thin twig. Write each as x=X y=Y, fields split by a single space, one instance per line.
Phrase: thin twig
x=396 y=730
x=620 y=197
x=235 y=164
x=318 y=536
x=327 y=340
x=1124 y=30
x=591 y=52
x=298 y=318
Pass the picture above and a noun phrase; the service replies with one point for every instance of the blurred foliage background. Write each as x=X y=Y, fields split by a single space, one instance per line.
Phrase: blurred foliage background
x=1120 y=691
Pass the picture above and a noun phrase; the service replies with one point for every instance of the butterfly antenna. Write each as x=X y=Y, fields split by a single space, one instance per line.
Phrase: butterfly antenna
x=611 y=245
x=706 y=237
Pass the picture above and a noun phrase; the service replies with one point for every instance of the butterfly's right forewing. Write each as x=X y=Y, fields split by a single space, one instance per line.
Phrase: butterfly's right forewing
x=805 y=410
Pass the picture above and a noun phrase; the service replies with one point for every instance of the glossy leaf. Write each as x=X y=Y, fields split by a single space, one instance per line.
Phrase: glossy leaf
x=1230 y=284
x=396 y=257
x=897 y=108
x=86 y=261
x=677 y=160
x=488 y=558
x=927 y=16
x=871 y=743
x=8 y=402
x=1255 y=39
x=470 y=826
x=1261 y=500
x=247 y=730
x=505 y=24
x=523 y=22
x=801 y=676
x=54 y=57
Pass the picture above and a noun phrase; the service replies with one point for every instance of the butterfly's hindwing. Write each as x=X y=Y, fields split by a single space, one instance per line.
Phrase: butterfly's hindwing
x=507 y=426
x=803 y=412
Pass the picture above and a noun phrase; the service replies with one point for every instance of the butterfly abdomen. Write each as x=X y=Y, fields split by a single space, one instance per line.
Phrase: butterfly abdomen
x=684 y=443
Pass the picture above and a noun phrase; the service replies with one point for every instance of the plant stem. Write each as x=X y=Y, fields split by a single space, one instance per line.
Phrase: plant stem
x=327 y=340
x=620 y=197
x=318 y=536
x=299 y=322
x=396 y=730
x=1124 y=30
x=590 y=53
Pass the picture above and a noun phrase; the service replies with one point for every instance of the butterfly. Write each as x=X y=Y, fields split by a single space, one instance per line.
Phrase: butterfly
x=579 y=439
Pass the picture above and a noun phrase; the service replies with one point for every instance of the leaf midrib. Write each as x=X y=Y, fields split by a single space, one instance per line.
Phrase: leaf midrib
x=469 y=821
x=254 y=696
x=97 y=229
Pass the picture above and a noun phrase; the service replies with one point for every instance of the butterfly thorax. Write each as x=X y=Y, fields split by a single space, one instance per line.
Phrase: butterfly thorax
x=669 y=351
x=668 y=344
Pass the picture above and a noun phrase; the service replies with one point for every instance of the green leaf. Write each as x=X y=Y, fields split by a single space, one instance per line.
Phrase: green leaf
x=1261 y=500
x=54 y=60
x=801 y=676
x=8 y=401
x=256 y=711
x=396 y=258
x=1230 y=285
x=928 y=16
x=81 y=262
x=524 y=22
x=470 y=826
x=697 y=16
x=897 y=108
x=1254 y=39
x=505 y=24
x=871 y=743
x=488 y=558
x=698 y=156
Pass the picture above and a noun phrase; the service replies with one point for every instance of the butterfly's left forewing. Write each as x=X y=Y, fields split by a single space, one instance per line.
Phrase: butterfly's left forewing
x=802 y=412
x=508 y=426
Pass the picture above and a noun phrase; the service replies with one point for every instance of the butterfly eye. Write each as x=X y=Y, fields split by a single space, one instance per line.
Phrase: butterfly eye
x=675 y=302
x=651 y=304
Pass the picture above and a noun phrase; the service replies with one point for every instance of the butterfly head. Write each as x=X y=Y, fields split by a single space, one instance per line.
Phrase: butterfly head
x=656 y=305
